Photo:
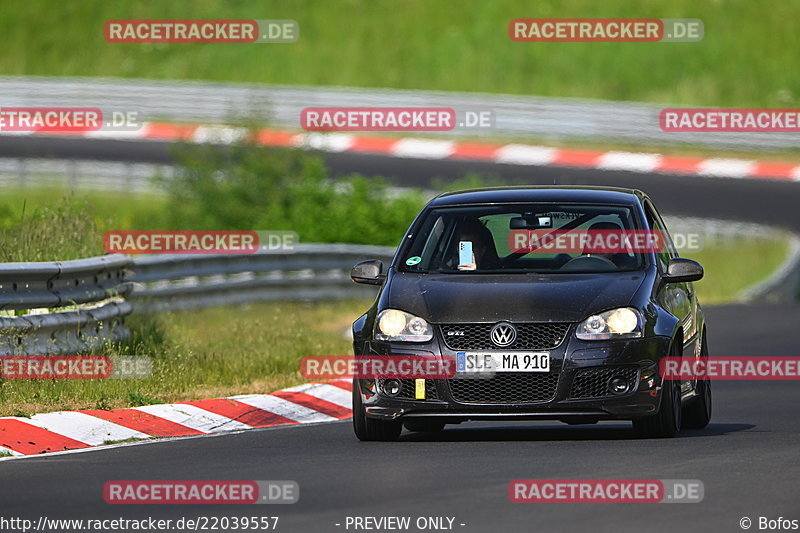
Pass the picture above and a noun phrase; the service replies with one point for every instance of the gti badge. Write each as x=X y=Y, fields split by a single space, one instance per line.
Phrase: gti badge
x=503 y=334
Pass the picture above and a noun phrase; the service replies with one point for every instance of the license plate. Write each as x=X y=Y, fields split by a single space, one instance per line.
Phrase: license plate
x=488 y=362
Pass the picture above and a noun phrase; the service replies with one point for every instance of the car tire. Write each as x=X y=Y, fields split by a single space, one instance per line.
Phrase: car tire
x=424 y=426
x=371 y=429
x=697 y=414
x=667 y=422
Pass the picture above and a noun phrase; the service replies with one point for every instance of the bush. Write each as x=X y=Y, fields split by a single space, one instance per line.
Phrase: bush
x=247 y=187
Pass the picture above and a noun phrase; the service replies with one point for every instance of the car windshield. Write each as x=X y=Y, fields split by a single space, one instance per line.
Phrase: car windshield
x=539 y=238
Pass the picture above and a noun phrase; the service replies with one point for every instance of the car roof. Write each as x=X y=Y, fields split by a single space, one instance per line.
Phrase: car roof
x=540 y=193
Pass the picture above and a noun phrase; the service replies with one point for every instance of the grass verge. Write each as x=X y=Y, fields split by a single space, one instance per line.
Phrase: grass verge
x=431 y=44
x=208 y=353
x=737 y=263
x=52 y=224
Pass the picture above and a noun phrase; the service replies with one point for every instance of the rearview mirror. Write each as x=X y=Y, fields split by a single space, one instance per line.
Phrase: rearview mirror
x=681 y=270
x=369 y=272
x=530 y=222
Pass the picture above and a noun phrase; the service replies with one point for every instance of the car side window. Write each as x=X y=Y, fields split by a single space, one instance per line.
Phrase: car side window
x=655 y=223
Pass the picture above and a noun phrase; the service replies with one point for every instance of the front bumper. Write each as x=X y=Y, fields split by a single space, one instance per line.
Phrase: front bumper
x=575 y=390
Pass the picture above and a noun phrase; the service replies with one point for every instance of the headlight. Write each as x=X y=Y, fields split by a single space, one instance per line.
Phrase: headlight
x=394 y=325
x=622 y=323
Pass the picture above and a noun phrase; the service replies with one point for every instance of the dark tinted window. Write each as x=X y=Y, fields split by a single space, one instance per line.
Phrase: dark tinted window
x=481 y=239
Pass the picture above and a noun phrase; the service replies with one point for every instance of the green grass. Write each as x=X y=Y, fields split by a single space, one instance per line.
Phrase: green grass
x=744 y=60
x=51 y=224
x=48 y=233
x=103 y=208
x=122 y=441
x=208 y=353
x=735 y=264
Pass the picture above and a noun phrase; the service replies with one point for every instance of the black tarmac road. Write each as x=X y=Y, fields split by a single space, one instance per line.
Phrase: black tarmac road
x=748 y=458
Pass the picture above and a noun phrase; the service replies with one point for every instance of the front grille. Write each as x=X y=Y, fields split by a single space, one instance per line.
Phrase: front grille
x=593 y=382
x=408 y=389
x=531 y=336
x=506 y=387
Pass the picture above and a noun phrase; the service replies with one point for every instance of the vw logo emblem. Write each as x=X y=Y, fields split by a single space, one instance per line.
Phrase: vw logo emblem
x=503 y=334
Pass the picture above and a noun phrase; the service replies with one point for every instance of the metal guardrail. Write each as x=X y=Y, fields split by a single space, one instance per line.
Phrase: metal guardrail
x=519 y=116
x=310 y=272
x=86 y=296
x=86 y=174
x=104 y=290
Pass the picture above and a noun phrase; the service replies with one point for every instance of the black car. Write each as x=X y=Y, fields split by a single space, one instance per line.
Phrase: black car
x=595 y=325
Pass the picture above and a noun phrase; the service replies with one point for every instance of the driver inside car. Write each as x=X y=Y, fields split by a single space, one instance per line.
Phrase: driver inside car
x=602 y=226
x=484 y=253
x=600 y=260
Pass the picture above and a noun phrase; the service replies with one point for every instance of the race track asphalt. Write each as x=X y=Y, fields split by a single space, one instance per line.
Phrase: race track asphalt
x=747 y=460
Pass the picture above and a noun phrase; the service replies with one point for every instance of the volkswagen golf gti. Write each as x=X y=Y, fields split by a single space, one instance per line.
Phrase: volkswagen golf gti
x=538 y=325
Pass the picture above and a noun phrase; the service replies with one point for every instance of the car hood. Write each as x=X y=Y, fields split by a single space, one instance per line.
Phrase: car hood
x=464 y=298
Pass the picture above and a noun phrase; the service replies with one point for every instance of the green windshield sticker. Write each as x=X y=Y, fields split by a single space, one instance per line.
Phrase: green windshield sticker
x=411 y=261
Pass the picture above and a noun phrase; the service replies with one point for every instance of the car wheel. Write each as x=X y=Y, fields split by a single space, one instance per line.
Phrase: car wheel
x=370 y=429
x=697 y=414
x=667 y=422
x=431 y=426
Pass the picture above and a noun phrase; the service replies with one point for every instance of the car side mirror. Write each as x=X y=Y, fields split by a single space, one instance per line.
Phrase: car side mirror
x=681 y=270
x=368 y=272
